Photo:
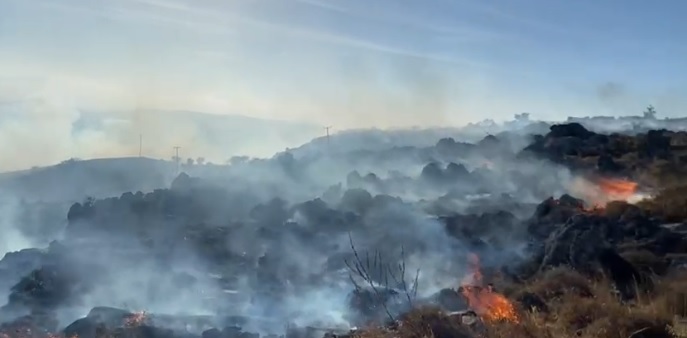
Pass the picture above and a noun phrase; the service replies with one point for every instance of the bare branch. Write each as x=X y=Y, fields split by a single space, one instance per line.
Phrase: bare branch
x=364 y=274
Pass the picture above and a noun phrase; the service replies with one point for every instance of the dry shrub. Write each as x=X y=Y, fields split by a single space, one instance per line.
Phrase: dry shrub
x=375 y=332
x=616 y=209
x=577 y=313
x=432 y=322
x=671 y=295
x=579 y=308
x=624 y=322
x=604 y=316
x=670 y=204
x=646 y=261
x=531 y=325
x=556 y=282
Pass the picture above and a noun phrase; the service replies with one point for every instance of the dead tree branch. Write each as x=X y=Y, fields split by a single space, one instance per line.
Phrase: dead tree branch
x=363 y=272
x=365 y=269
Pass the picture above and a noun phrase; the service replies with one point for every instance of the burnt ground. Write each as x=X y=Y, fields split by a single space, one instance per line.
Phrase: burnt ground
x=613 y=270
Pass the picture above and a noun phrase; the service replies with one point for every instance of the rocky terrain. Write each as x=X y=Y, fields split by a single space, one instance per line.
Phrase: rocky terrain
x=567 y=234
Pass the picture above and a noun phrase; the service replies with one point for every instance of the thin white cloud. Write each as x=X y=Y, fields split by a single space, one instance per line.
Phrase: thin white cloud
x=498 y=12
x=154 y=12
x=454 y=30
x=149 y=17
x=324 y=4
x=178 y=6
x=218 y=20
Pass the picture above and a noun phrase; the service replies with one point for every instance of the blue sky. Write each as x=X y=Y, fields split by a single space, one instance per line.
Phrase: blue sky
x=351 y=63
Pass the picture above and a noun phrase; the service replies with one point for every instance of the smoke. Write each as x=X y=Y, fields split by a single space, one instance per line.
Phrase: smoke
x=389 y=92
x=12 y=238
x=58 y=116
x=43 y=133
x=269 y=239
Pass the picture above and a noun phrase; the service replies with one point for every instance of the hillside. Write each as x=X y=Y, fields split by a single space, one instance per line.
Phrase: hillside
x=72 y=180
x=213 y=136
x=461 y=240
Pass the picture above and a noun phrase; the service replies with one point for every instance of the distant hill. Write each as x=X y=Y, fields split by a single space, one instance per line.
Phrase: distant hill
x=378 y=139
x=216 y=137
x=50 y=134
x=73 y=180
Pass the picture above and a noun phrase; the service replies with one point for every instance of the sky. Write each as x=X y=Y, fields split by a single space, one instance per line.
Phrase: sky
x=346 y=63
x=350 y=62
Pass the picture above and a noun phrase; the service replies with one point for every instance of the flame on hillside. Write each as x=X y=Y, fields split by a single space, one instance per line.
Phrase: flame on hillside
x=617 y=189
x=597 y=193
x=136 y=319
x=482 y=299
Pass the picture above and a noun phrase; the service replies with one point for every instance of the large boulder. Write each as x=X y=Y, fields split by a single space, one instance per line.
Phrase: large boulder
x=607 y=165
x=576 y=244
x=569 y=130
x=551 y=213
x=582 y=244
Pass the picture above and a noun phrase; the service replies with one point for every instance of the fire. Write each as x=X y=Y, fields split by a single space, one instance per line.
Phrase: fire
x=617 y=189
x=136 y=319
x=487 y=303
x=598 y=192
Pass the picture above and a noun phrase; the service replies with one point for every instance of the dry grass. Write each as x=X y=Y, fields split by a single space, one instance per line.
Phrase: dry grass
x=647 y=262
x=577 y=307
x=670 y=203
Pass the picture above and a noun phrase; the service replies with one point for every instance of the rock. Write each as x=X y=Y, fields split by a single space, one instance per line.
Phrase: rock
x=576 y=244
x=551 y=213
x=432 y=173
x=607 y=165
x=569 y=130
x=83 y=328
x=655 y=145
x=356 y=200
x=487 y=228
x=111 y=317
x=625 y=276
x=456 y=172
x=489 y=141
x=449 y=300
x=183 y=182
x=212 y=333
x=43 y=289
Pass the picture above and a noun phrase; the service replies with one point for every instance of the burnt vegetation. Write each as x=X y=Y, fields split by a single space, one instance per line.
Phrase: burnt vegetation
x=482 y=240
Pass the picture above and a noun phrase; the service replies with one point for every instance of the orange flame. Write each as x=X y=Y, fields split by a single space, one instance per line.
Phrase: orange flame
x=136 y=319
x=487 y=303
x=598 y=192
x=617 y=189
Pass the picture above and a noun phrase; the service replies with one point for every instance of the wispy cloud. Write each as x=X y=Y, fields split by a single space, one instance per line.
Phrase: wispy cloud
x=151 y=12
x=218 y=20
x=506 y=15
x=455 y=30
x=324 y=4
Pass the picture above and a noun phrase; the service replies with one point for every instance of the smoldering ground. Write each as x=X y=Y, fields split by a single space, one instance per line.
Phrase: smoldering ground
x=269 y=239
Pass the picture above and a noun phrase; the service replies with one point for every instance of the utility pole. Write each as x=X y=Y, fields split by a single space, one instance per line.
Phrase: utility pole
x=327 y=130
x=176 y=157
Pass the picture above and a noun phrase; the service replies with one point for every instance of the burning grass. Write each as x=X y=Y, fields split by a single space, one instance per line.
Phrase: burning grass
x=488 y=304
x=561 y=303
x=576 y=307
